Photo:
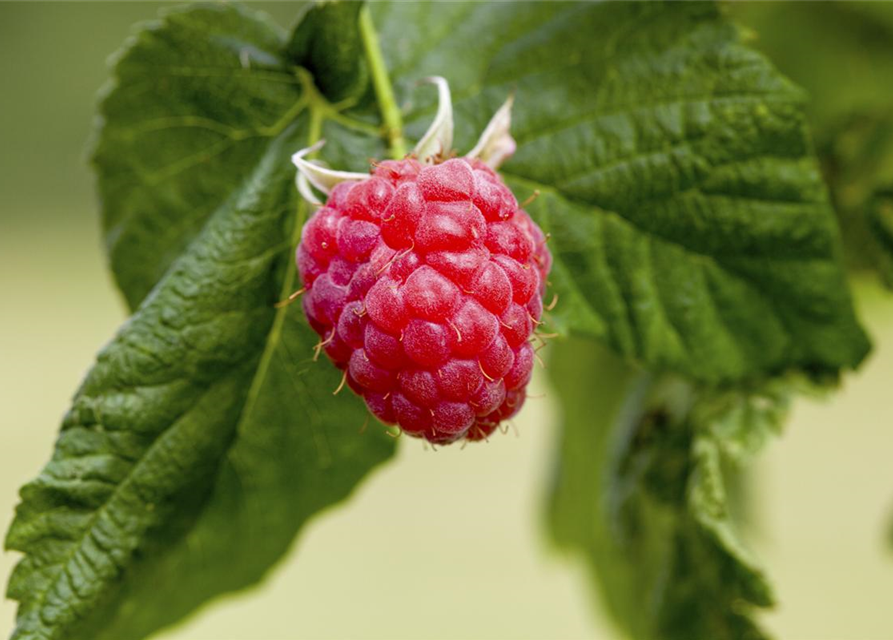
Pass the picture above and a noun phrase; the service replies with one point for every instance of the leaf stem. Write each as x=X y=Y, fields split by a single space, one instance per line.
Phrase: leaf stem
x=314 y=132
x=384 y=92
x=328 y=111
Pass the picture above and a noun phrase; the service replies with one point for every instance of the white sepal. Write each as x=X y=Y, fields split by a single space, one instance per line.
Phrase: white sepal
x=319 y=176
x=438 y=139
x=306 y=190
x=496 y=143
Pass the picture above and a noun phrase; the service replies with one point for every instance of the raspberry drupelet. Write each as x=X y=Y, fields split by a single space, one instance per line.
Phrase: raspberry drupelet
x=424 y=281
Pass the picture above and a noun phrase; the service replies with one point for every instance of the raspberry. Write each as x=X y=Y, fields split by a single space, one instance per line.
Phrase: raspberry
x=425 y=284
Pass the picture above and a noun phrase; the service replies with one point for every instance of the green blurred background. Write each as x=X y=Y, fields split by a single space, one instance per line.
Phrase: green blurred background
x=447 y=544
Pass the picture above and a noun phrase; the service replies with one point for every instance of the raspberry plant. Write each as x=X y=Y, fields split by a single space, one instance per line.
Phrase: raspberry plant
x=695 y=257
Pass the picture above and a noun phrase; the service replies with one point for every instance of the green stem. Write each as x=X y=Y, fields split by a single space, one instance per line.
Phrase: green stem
x=325 y=110
x=314 y=133
x=384 y=92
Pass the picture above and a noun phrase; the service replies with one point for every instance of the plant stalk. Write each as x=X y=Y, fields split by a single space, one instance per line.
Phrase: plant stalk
x=384 y=92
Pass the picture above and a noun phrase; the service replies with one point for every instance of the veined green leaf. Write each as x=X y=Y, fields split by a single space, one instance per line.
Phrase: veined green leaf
x=205 y=436
x=851 y=111
x=657 y=533
x=690 y=226
x=195 y=99
x=850 y=108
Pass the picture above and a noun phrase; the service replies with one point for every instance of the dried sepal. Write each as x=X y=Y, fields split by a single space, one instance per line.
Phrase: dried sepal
x=496 y=143
x=306 y=190
x=438 y=139
x=319 y=176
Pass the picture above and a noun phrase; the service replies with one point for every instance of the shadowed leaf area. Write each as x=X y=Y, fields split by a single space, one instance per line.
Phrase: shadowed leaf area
x=655 y=456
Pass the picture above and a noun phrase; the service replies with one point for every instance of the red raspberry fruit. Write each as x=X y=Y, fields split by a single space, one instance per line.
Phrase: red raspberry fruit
x=425 y=284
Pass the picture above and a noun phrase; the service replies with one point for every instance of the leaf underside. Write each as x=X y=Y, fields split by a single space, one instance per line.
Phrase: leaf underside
x=690 y=229
x=654 y=456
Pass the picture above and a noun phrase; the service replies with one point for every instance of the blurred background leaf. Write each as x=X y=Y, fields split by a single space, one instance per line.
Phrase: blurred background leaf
x=654 y=456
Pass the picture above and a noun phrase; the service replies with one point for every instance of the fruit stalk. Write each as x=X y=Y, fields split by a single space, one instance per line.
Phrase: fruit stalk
x=384 y=92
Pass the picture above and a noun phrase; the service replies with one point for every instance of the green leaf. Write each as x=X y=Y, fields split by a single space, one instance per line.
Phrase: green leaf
x=851 y=111
x=847 y=73
x=328 y=44
x=195 y=100
x=205 y=436
x=690 y=226
x=850 y=107
x=657 y=533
